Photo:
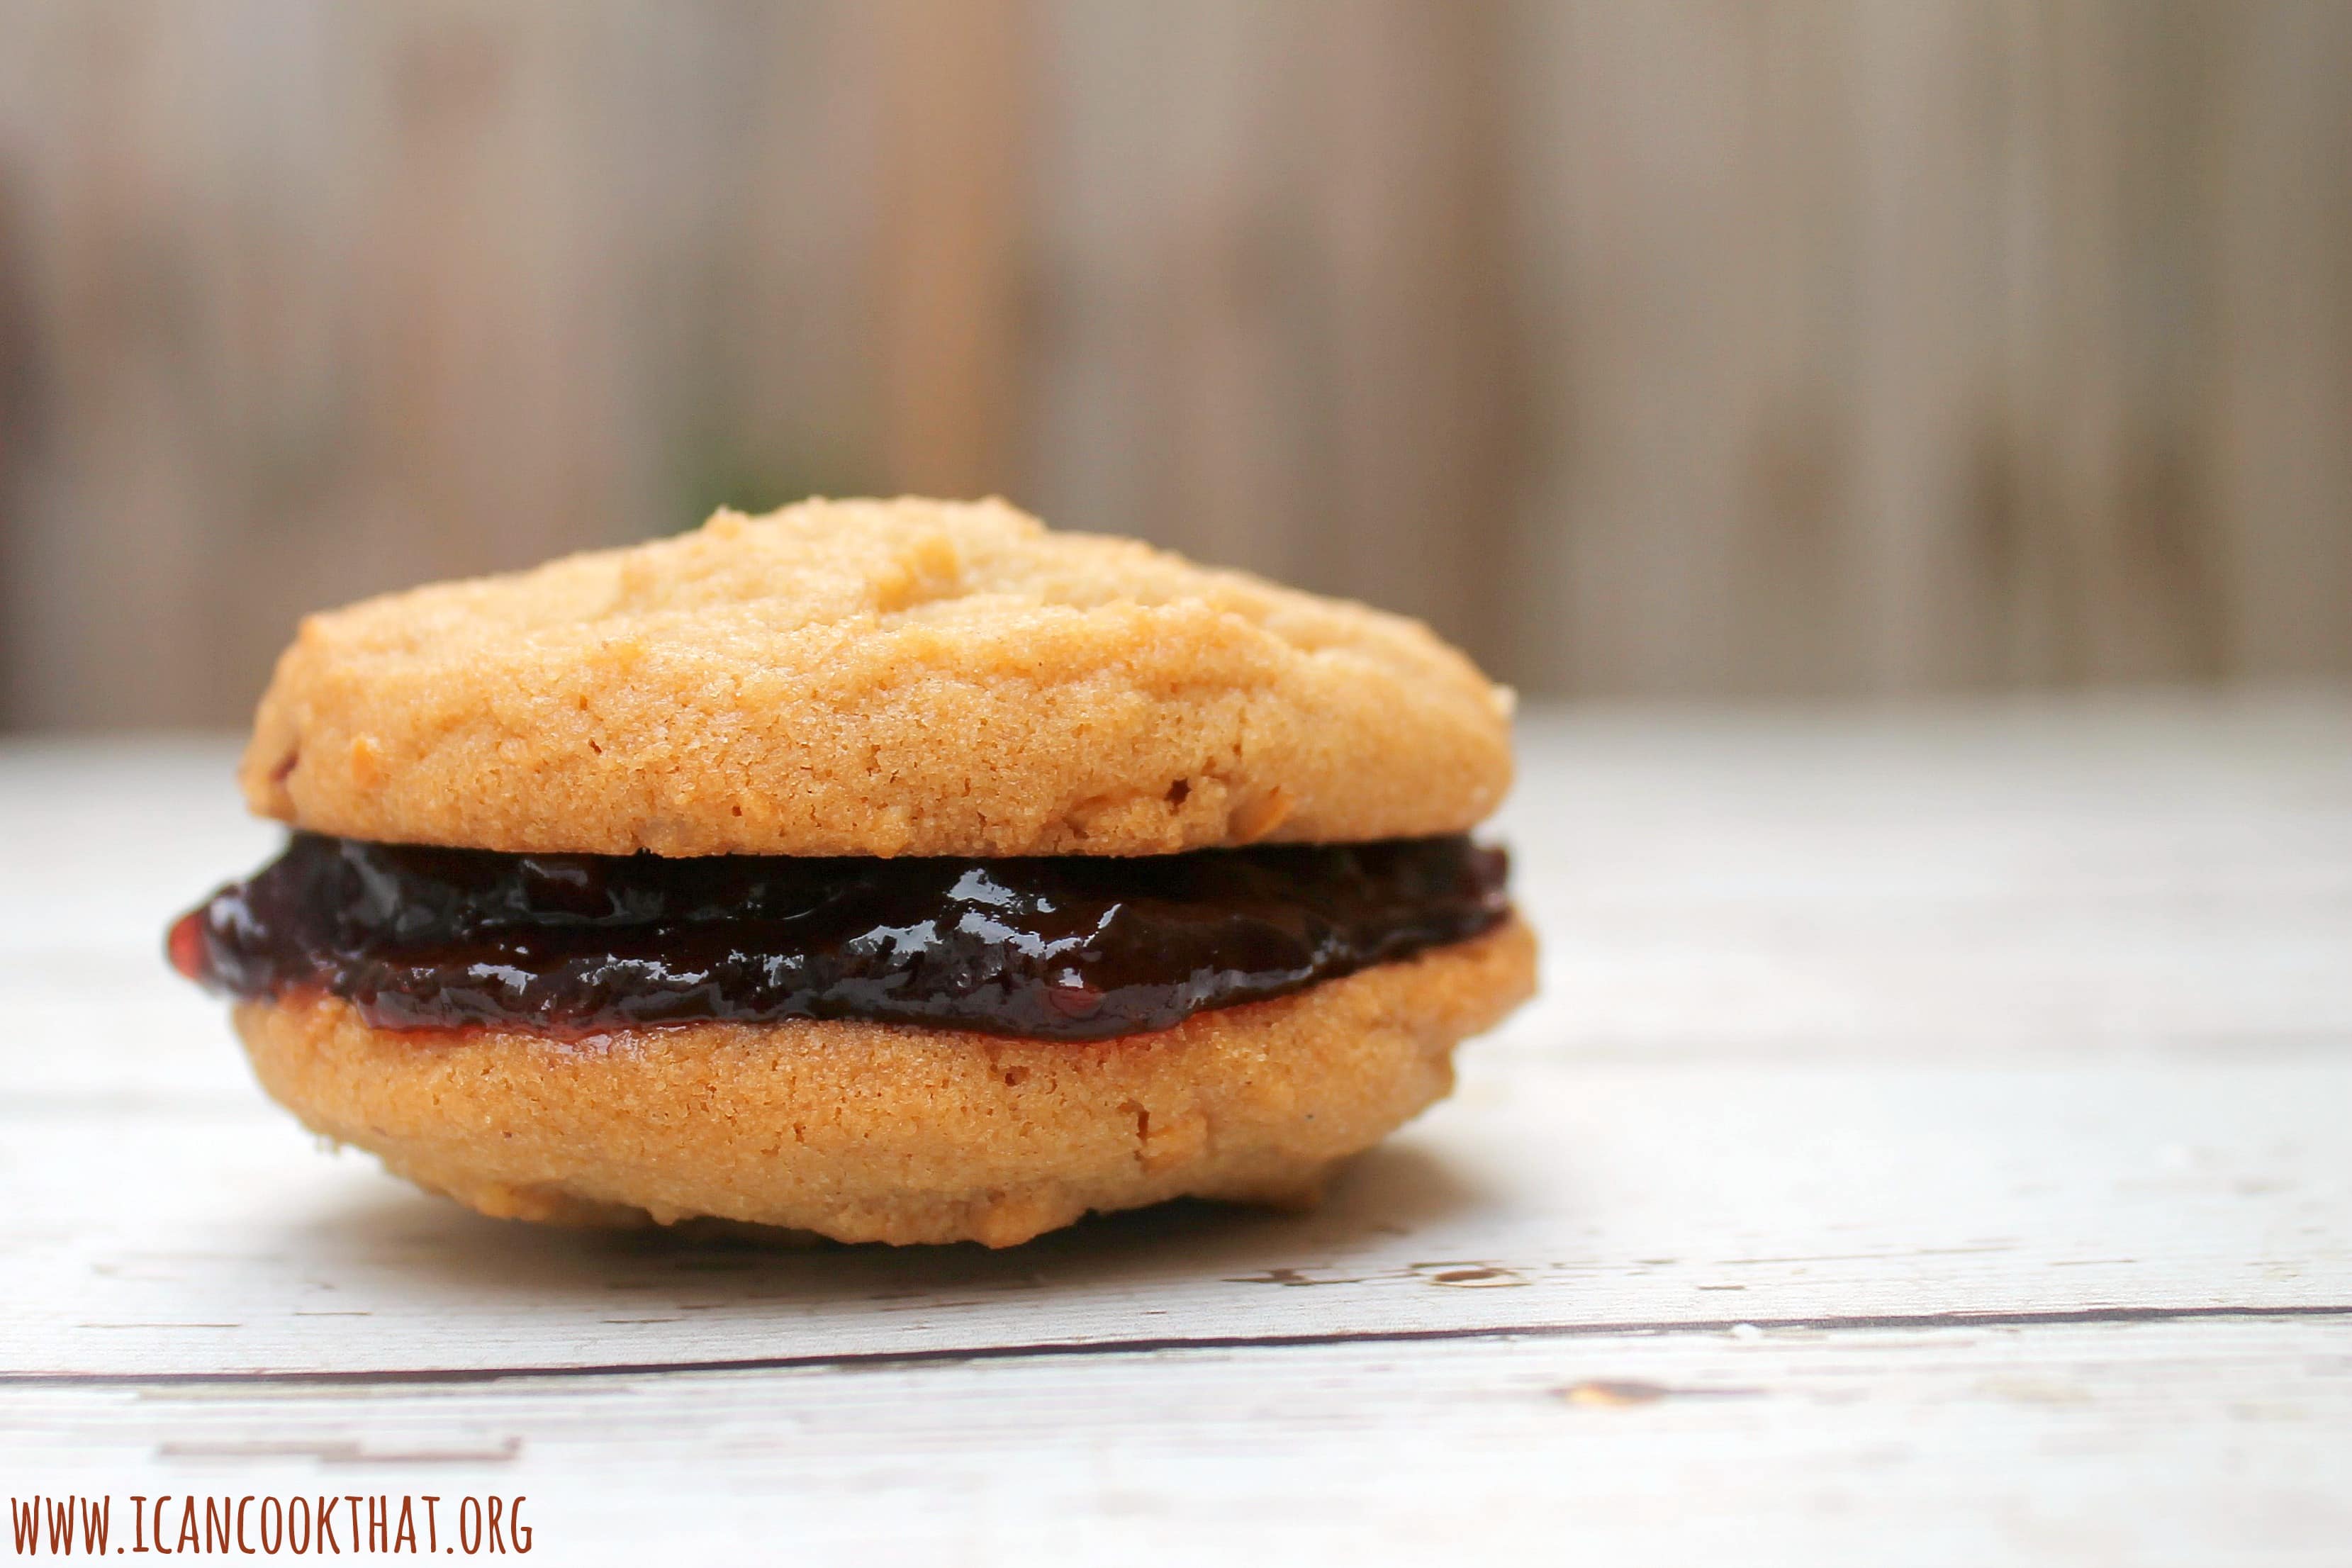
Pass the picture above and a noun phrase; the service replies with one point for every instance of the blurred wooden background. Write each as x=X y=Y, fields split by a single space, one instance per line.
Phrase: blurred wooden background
x=1656 y=346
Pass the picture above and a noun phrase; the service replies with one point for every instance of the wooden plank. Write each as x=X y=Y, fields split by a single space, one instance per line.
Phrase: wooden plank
x=213 y=1239
x=2101 y=509
x=951 y=259
x=2220 y=1443
x=1929 y=1149
x=2175 y=1201
x=1684 y=181
x=2048 y=880
x=2284 y=398
x=1276 y=334
x=1169 y=393
x=1407 y=319
x=2029 y=881
x=2029 y=1012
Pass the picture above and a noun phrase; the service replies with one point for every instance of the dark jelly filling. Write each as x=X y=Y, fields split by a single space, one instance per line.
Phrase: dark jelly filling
x=1069 y=948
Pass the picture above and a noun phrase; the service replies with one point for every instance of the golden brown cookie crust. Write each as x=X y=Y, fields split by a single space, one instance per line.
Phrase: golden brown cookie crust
x=873 y=677
x=879 y=1132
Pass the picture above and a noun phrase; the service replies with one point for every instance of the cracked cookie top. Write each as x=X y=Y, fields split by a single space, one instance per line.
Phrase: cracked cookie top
x=878 y=678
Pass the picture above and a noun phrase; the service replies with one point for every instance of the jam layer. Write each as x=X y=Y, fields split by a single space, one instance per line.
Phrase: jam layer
x=1069 y=948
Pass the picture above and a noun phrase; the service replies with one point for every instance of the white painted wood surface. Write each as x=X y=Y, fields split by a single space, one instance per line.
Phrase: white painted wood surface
x=1934 y=1143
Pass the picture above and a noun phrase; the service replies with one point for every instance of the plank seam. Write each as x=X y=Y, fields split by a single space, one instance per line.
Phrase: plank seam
x=1069 y=1349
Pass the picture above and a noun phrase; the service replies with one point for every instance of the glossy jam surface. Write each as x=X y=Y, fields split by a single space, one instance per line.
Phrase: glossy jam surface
x=1069 y=948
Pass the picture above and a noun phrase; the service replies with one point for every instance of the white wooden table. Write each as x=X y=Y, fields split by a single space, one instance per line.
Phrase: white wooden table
x=1933 y=1144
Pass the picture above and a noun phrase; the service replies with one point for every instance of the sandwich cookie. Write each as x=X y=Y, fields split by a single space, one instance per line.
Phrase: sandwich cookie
x=889 y=870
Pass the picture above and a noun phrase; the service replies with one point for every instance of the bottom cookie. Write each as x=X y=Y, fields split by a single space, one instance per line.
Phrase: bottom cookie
x=885 y=1132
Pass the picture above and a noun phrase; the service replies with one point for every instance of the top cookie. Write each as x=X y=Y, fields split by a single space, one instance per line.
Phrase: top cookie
x=873 y=677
